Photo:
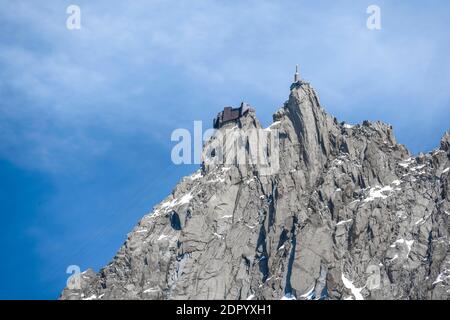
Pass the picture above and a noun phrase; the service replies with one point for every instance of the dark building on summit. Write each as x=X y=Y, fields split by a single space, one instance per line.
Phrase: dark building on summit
x=230 y=114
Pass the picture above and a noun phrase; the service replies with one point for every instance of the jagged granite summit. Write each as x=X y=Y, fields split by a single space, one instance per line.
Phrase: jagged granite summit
x=350 y=214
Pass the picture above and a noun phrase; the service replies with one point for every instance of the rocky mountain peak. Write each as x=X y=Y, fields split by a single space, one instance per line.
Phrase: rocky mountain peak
x=313 y=126
x=337 y=211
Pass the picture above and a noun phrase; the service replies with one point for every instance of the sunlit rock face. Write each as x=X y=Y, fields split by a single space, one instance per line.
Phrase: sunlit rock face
x=346 y=213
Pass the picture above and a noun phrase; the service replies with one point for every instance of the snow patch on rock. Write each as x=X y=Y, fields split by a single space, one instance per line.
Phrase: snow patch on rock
x=354 y=290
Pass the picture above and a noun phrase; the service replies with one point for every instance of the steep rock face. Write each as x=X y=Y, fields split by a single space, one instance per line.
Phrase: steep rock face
x=347 y=214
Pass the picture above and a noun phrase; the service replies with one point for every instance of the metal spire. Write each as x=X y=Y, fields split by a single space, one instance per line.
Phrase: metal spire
x=297 y=75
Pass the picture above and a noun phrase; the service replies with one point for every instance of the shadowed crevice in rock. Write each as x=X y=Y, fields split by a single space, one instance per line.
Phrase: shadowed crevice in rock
x=175 y=221
x=261 y=254
x=272 y=206
x=288 y=290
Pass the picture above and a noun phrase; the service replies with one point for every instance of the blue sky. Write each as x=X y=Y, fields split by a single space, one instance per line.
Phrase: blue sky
x=86 y=115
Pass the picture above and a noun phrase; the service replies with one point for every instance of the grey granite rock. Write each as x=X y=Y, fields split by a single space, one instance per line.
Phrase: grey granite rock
x=350 y=214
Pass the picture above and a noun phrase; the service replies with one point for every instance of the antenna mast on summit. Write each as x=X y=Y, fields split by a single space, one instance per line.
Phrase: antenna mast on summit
x=297 y=75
